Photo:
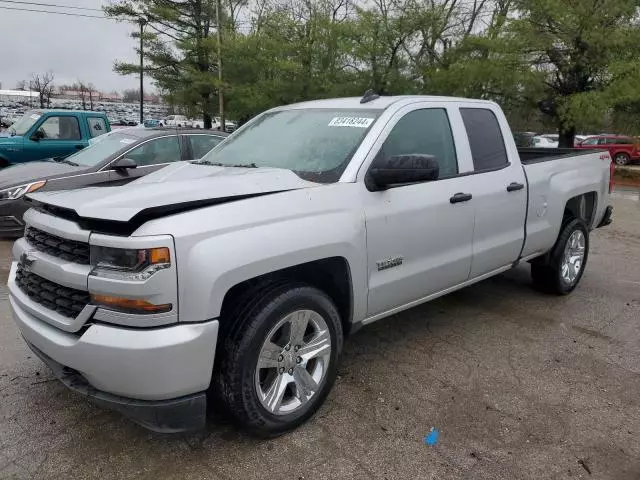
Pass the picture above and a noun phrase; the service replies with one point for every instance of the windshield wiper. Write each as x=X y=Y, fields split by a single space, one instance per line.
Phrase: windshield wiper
x=68 y=162
x=214 y=164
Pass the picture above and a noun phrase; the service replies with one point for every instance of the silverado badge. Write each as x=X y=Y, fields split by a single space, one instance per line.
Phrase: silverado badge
x=389 y=262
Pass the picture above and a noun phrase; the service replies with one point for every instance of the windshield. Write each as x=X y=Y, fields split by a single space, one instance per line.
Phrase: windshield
x=99 y=151
x=23 y=125
x=315 y=144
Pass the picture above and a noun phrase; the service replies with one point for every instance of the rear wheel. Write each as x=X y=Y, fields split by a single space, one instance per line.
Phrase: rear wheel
x=621 y=159
x=566 y=262
x=279 y=357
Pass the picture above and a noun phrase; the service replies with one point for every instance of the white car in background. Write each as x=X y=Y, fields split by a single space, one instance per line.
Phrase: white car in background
x=578 y=139
x=177 y=121
x=544 y=142
x=229 y=125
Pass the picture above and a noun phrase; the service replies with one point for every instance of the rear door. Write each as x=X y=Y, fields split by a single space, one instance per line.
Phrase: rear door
x=201 y=144
x=499 y=191
x=419 y=236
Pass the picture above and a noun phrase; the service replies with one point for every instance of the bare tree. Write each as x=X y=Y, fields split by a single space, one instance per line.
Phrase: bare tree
x=85 y=90
x=91 y=90
x=22 y=85
x=43 y=84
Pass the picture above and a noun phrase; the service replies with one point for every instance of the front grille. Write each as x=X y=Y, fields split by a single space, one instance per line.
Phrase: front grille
x=70 y=250
x=66 y=301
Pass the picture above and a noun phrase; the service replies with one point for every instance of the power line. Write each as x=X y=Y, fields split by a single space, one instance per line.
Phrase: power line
x=55 y=13
x=52 y=5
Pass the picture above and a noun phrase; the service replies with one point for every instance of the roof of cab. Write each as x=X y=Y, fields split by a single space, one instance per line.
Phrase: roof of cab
x=42 y=111
x=380 y=103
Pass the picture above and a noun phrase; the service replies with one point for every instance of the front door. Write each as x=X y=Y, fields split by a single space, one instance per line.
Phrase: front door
x=419 y=236
x=150 y=156
x=60 y=136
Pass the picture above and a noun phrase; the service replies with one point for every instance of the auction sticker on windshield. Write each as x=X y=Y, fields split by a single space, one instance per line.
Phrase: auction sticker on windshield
x=359 y=122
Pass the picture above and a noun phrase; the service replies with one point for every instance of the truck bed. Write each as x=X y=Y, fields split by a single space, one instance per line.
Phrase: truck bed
x=537 y=155
x=551 y=184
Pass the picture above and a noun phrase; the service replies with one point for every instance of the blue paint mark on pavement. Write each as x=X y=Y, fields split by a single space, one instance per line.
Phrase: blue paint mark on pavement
x=432 y=437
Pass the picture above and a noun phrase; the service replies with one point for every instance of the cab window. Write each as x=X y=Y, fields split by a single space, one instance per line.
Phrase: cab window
x=60 y=128
x=201 y=144
x=428 y=132
x=485 y=139
x=97 y=126
x=156 y=151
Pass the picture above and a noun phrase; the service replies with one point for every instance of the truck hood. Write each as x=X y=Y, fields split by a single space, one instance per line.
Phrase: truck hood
x=34 y=171
x=177 y=188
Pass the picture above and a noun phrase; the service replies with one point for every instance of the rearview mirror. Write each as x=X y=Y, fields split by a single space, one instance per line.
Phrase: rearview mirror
x=401 y=169
x=124 y=164
x=37 y=135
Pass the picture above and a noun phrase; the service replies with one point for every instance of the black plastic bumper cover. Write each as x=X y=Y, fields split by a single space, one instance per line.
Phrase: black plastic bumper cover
x=181 y=414
x=11 y=213
x=607 y=218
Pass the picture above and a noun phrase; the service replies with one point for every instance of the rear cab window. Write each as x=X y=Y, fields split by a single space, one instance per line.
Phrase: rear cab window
x=485 y=139
x=97 y=126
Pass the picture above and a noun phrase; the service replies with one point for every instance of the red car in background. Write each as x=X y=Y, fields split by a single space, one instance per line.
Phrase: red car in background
x=623 y=150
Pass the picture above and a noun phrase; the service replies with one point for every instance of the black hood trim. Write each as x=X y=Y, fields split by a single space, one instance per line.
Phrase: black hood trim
x=115 y=227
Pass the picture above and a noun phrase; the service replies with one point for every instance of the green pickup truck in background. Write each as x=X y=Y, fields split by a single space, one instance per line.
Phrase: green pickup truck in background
x=42 y=134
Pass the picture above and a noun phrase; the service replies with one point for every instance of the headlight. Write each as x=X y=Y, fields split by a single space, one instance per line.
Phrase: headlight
x=128 y=264
x=14 y=193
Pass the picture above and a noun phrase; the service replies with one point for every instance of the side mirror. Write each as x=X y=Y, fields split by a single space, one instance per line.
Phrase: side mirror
x=399 y=169
x=37 y=136
x=124 y=164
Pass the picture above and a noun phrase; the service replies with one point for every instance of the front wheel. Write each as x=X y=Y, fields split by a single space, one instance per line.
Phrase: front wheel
x=279 y=357
x=621 y=159
x=566 y=262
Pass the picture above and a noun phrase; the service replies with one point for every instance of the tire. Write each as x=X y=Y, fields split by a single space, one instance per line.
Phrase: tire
x=550 y=277
x=621 y=159
x=244 y=388
x=4 y=163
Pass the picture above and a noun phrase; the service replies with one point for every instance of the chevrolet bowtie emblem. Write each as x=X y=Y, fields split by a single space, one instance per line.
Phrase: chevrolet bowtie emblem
x=26 y=262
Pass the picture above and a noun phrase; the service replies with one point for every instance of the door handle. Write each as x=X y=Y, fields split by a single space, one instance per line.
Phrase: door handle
x=514 y=186
x=79 y=147
x=461 y=197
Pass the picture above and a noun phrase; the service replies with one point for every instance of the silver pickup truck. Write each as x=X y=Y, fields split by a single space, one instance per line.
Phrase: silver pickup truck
x=239 y=276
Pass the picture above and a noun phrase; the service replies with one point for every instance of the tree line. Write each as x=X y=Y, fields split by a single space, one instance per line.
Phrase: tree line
x=568 y=65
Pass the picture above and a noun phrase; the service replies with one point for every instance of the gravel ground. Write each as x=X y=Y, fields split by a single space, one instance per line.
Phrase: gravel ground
x=519 y=384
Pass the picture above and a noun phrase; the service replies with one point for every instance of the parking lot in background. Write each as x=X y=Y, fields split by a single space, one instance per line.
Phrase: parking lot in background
x=519 y=385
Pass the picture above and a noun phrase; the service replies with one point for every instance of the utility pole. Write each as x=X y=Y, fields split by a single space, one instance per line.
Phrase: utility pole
x=141 y=21
x=220 y=94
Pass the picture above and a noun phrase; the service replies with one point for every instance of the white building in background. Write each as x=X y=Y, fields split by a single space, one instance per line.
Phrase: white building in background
x=20 y=96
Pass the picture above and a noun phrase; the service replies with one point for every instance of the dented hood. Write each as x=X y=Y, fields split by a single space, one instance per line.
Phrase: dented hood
x=178 y=187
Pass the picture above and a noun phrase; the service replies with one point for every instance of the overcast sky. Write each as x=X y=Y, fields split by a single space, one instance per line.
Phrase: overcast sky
x=72 y=47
